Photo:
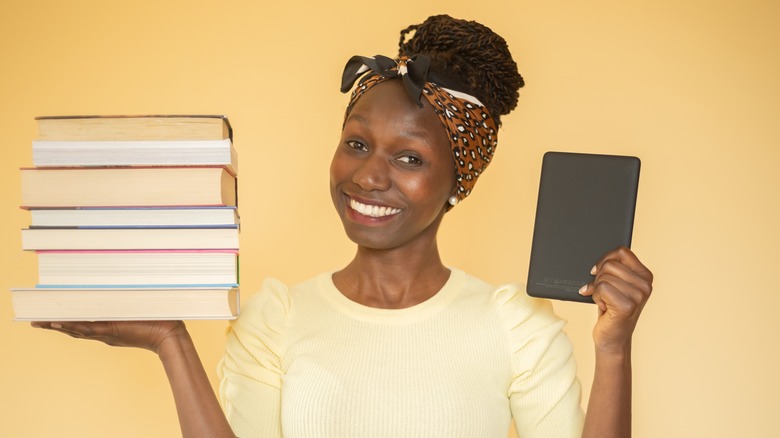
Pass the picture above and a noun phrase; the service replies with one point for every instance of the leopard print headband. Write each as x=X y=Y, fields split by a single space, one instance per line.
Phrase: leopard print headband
x=471 y=129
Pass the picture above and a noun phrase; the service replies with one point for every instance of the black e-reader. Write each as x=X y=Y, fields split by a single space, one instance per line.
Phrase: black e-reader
x=585 y=208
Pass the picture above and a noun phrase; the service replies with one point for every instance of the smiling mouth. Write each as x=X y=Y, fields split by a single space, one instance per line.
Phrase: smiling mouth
x=372 y=210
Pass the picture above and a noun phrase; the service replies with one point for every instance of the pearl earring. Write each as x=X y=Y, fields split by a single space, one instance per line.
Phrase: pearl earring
x=453 y=200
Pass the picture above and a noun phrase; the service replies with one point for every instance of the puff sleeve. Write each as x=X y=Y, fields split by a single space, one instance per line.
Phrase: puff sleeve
x=250 y=371
x=544 y=392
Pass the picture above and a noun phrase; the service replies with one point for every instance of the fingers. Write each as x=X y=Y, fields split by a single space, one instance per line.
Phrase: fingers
x=140 y=334
x=613 y=293
x=103 y=331
x=621 y=282
x=83 y=330
x=625 y=257
x=620 y=288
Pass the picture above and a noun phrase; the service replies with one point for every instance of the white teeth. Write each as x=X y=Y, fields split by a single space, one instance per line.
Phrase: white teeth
x=373 y=210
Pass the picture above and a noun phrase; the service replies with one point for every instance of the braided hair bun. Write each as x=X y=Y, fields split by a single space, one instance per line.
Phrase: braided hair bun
x=470 y=54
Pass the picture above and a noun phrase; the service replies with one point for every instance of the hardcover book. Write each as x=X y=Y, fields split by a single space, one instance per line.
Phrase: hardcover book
x=128 y=238
x=122 y=186
x=143 y=303
x=101 y=217
x=53 y=153
x=134 y=127
x=135 y=268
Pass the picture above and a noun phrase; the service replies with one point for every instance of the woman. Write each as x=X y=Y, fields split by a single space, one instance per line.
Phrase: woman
x=396 y=343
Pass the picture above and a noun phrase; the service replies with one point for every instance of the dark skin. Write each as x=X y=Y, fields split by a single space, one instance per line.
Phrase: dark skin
x=621 y=288
x=391 y=175
x=392 y=155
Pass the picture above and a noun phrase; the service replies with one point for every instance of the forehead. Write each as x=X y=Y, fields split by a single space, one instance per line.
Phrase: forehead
x=387 y=105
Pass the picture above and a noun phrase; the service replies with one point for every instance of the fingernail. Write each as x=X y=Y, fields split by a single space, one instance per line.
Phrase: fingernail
x=593 y=270
x=583 y=289
x=55 y=325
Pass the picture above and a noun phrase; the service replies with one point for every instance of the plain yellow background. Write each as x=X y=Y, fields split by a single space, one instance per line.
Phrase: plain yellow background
x=691 y=87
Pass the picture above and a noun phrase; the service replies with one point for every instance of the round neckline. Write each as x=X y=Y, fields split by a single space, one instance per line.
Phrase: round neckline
x=408 y=314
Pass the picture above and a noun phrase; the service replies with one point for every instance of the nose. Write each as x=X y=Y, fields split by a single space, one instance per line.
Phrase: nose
x=373 y=173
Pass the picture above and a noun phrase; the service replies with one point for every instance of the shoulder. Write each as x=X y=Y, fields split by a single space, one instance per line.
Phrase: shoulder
x=265 y=317
x=524 y=319
x=260 y=324
x=272 y=300
x=510 y=300
x=271 y=306
x=517 y=307
x=534 y=333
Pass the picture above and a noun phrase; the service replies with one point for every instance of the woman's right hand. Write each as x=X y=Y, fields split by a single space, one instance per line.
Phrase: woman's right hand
x=140 y=334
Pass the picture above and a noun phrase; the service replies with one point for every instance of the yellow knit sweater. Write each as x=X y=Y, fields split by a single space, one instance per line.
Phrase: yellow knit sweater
x=308 y=362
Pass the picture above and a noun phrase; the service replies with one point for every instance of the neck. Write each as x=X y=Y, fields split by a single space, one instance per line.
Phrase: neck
x=392 y=279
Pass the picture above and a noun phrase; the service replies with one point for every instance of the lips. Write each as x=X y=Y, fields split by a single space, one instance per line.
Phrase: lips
x=375 y=211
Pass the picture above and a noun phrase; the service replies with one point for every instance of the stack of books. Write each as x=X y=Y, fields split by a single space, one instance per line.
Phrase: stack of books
x=132 y=218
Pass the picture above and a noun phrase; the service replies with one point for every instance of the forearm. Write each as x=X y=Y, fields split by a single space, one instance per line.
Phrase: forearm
x=200 y=414
x=609 y=407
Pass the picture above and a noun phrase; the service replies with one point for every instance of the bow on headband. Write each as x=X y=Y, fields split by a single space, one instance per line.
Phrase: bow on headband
x=413 y=72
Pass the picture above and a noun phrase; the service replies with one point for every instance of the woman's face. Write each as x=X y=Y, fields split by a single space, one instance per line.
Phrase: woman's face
x=392 y=171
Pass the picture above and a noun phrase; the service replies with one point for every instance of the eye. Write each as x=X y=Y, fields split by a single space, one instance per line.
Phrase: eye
x=357 y=145
x=410 y=159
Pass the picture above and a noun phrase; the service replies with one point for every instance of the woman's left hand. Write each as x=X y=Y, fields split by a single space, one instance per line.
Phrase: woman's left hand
x=620 y=290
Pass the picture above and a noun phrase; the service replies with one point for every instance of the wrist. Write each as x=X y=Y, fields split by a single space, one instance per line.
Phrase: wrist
x=613 y=346
x=614 y=356
x=174 y=342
